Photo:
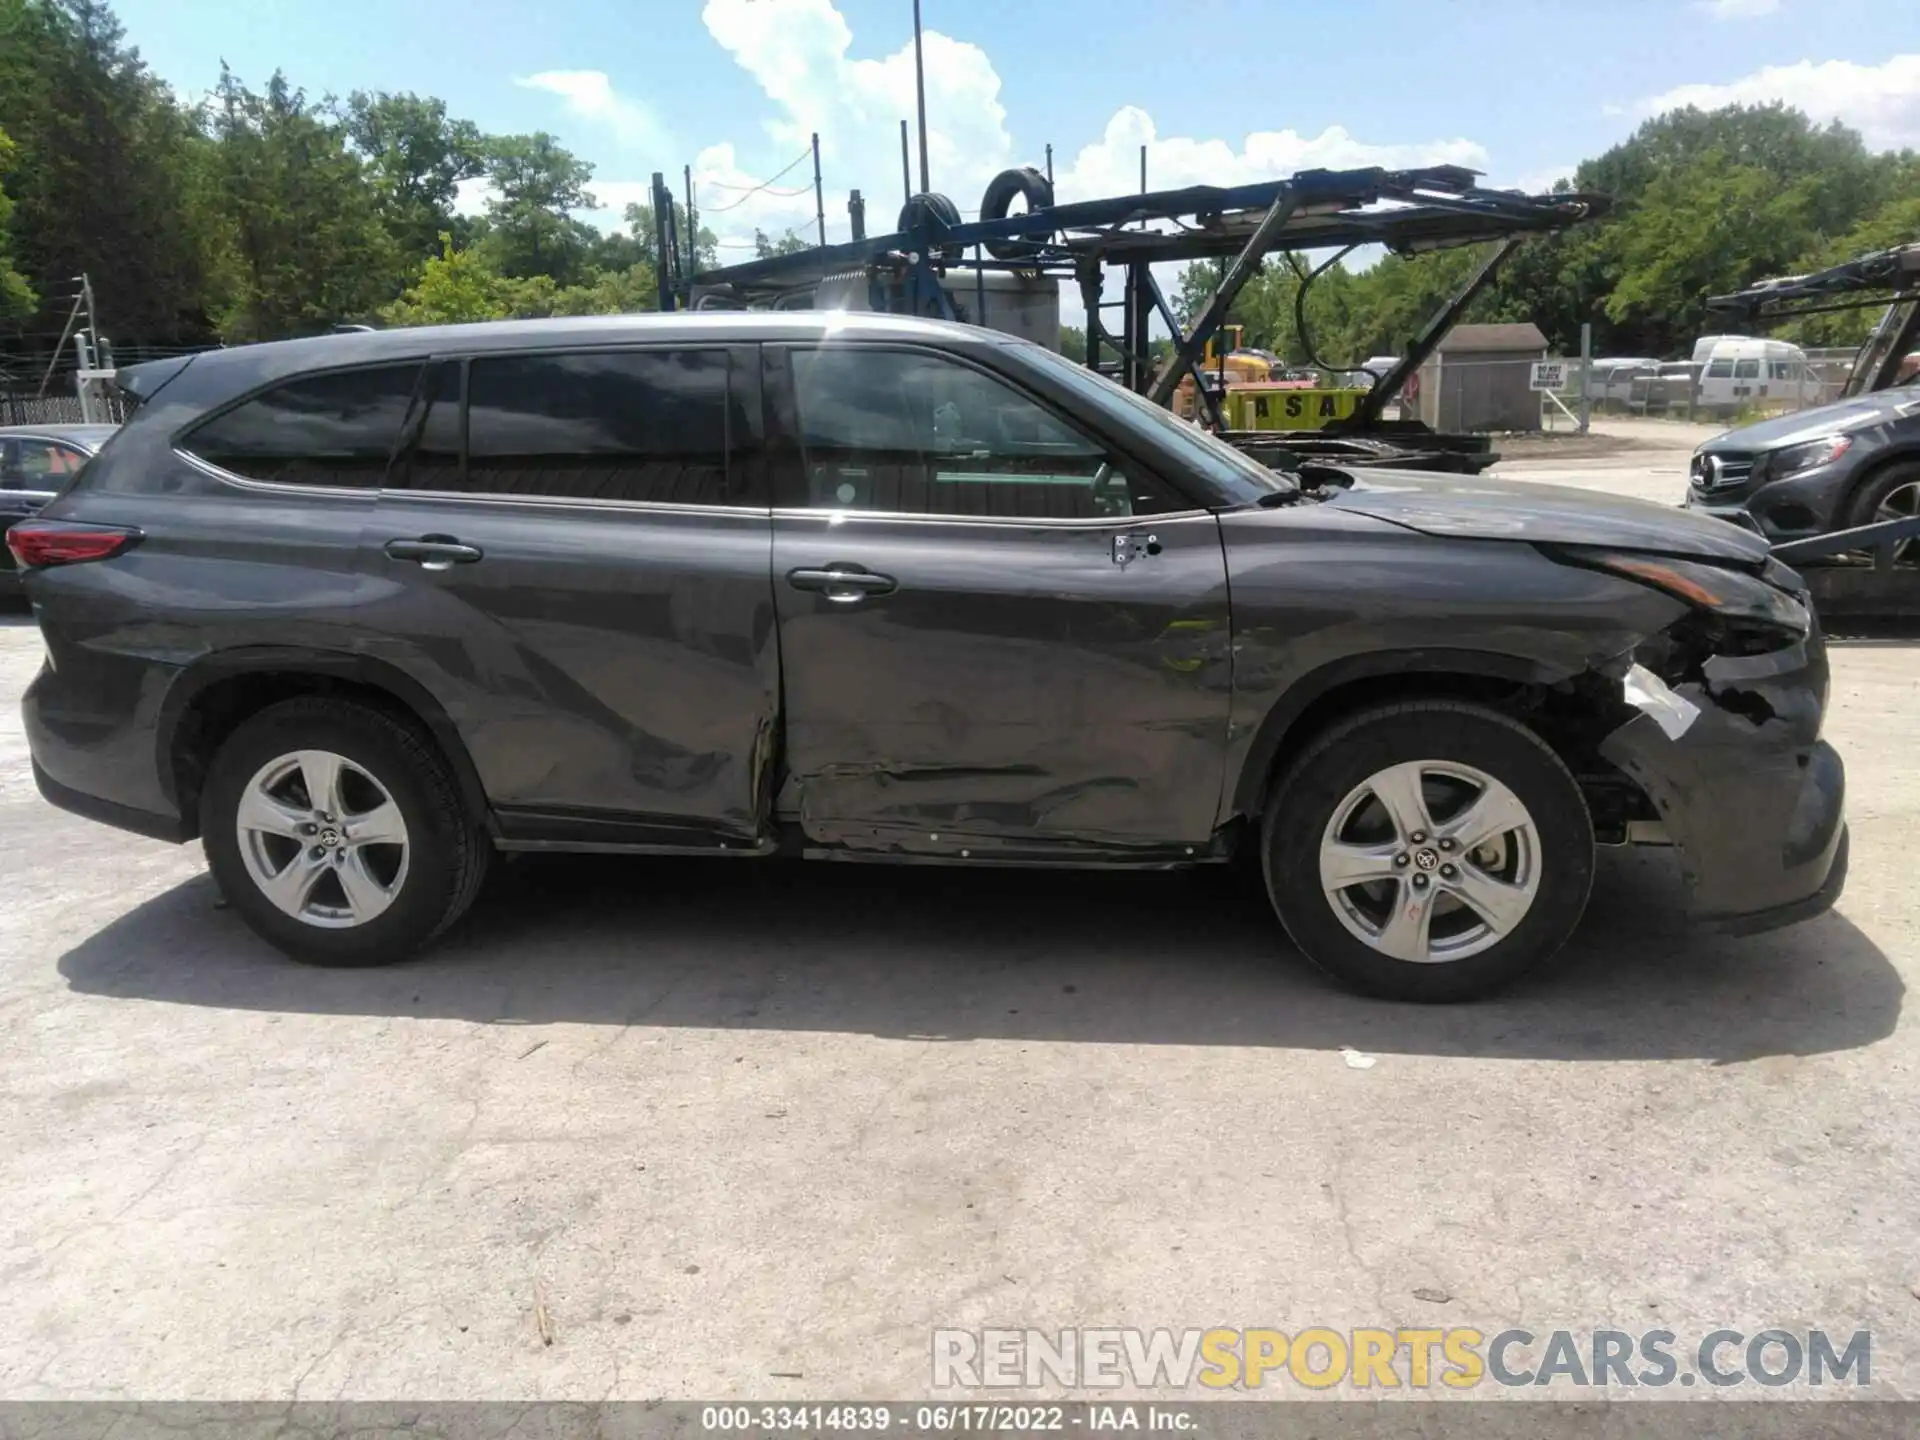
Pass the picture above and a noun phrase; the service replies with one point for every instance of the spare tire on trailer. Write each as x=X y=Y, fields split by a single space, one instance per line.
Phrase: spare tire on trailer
x=936 y=214
x=1001 y=190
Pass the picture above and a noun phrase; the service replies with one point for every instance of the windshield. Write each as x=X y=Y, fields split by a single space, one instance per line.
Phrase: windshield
x=1245 y=479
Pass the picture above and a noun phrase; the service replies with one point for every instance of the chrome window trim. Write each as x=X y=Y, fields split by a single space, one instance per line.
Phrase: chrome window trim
x=1050 y=522
x=375 y=492
x=572 y=502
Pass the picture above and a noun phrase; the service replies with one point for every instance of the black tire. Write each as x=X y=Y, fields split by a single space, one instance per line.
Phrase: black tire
x=938 y=214
x=1872 y=493
x=448 y=851
x=1317 y=783
x=1001 y=191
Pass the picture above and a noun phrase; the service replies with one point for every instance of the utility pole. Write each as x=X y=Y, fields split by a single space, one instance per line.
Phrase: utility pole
x=1586 y=376
x=693 y=228
x=83 y=367
x=83 y=299
x=819 y=195
x=857 y=215
x=920 y=91
x=906 y=167
x=663 y=247
x=1049 y=164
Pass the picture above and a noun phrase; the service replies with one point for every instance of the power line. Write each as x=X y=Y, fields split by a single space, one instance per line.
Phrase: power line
x=749 y=189
x=763 y=185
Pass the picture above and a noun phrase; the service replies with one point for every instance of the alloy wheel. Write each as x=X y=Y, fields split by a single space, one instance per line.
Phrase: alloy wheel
x=1901 y=503
x=1430 y=861
x=322 y=839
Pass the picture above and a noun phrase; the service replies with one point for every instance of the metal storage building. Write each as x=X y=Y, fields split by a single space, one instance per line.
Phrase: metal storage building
x=1480 y=378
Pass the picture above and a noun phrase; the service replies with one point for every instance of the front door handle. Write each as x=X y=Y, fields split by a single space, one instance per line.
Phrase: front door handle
x=434 y=552
x=842 y=584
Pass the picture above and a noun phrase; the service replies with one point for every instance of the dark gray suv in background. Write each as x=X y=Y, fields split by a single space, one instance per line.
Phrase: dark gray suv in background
x=361 y=611
x=1841 y=465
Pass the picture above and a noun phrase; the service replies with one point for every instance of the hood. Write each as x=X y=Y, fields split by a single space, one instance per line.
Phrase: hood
x=1838 y=418
x=1483 y=509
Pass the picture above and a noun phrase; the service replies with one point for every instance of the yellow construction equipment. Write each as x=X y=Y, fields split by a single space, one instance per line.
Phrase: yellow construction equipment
x=1236 y=365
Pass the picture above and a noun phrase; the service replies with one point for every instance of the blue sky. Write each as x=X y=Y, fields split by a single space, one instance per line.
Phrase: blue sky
x=1233 y=89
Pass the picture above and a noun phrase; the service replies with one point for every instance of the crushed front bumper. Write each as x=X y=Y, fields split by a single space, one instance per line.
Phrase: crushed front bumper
x=1752 y=797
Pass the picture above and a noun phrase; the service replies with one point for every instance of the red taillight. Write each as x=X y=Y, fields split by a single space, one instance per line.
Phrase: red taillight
x=37 y=544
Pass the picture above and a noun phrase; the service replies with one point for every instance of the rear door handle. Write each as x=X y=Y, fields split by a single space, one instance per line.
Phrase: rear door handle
x=434 y=552
x=842 y=584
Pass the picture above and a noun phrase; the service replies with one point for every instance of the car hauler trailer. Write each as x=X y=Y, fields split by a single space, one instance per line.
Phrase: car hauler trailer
x=994 y=270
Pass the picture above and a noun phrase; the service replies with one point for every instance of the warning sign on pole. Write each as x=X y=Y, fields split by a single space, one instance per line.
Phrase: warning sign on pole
x=1549 y=375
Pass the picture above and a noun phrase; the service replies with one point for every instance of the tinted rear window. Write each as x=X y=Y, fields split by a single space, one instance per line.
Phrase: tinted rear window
x=336 y=429
x=646 y=425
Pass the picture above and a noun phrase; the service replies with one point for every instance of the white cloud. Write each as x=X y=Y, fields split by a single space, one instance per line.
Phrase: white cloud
x=1111 y=164
x=590 y=96
x=1882 y=101
x=470 y=196
x=801 y=54
x=1541 y=181
x=1739 y=9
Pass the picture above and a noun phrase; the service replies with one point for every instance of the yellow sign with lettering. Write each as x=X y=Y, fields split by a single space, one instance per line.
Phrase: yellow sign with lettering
x=1258 y=407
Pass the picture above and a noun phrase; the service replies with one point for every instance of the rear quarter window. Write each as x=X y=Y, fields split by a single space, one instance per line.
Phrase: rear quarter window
x=336 y=430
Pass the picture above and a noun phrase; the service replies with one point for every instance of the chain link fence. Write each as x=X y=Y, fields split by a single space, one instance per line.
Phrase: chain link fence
x=104 y=407
x=1722 y=388
x=1482 y=395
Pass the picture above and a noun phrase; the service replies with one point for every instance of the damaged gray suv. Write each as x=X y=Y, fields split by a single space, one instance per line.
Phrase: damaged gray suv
x=363 y=611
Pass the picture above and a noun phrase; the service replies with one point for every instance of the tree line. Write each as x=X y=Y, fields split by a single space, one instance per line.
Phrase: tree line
x=1704 y=203
x=260 y=212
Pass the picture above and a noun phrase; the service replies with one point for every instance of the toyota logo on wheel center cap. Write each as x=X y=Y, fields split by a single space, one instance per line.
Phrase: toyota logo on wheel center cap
x=1426 y=859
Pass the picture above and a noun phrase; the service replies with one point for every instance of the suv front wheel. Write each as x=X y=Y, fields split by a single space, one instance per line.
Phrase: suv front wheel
x=338 y=833
x=1432 y=850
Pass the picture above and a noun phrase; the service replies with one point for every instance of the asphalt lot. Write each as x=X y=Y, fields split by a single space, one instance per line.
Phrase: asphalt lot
x=710 y=1130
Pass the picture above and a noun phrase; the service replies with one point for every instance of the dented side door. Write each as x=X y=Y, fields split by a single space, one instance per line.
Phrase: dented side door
x=996 y=685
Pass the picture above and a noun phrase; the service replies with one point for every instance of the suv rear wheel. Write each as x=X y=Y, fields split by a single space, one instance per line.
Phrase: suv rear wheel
x=338 y=833
x=1428 y=851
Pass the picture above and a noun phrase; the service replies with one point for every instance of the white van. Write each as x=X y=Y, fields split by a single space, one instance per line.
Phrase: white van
x=1612 y=383
x=1742 y=374
x=1703 y=347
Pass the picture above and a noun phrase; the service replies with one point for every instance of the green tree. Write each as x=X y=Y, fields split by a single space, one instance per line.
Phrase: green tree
x=303 y=244
x=16 y=296
x=1703 y=228
x=415 y=156
x=611 y=292
x=538 y=184
x=458 y=286
x=1197 y=283
x=1073 y=343
x=454 y=287
x=640 y=217
x=99 y=173
x=765 y=247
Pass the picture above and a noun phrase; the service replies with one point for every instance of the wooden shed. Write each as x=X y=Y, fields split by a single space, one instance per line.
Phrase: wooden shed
x=1480 y=379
